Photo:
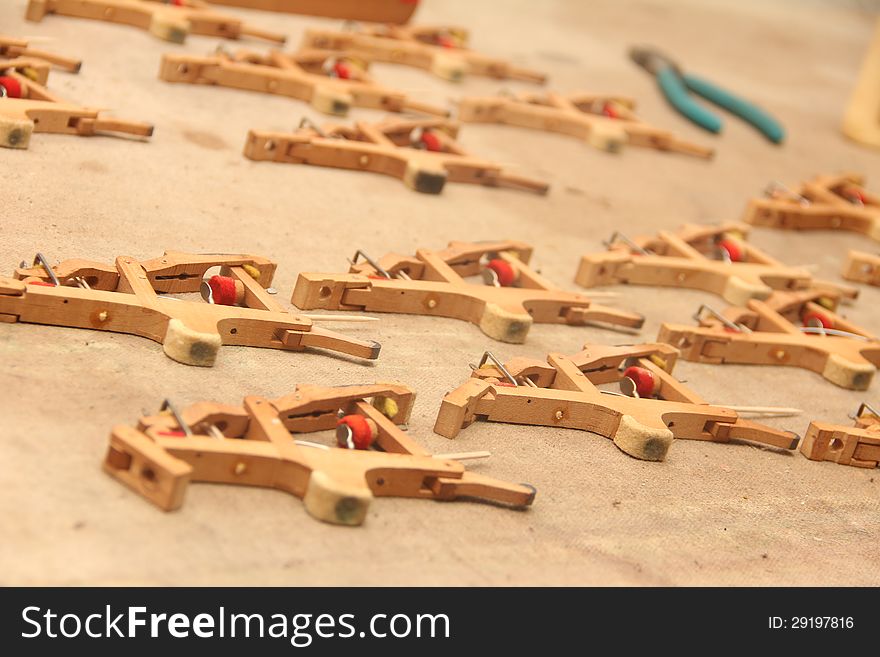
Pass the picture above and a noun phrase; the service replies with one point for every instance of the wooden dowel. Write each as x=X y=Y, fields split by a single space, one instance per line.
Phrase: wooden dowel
x=340 y=318
x=119 y=125
x=522 y=183
x=255 y=32
x=687 y=148
x=764 y=410
x=425 y=108
x=66 y=63
x=463 y=456
x=526 y=75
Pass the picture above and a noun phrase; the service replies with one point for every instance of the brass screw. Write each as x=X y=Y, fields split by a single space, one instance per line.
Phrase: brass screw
x=240 y=468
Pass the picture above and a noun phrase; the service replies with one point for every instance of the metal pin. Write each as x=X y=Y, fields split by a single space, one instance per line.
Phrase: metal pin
x=167 y=405
x=529 y=382
x=327 y=66
x=865 y=406
x=375 y=265
x=309 y=443
x=344 y=435
x=725 y=255
x=81 y=282
x=206 y=292
x=40 y=259
x=488 y=355
x=214 y=432
x=612 y=392
x=463 y=456
x=490 y=277
x=821 y=330
x=415 y=138
x=698 y=316
x=628 y=387
x=306 y=122
x=617 y=236
x=775 y=187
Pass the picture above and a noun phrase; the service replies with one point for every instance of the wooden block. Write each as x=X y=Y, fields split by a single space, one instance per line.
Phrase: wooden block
x=503 y=325
x=642 y=441
x=607 y=137
x=190 y=347
x=331 y=101
x=449 y=67
x=425 y=177
x=169 y=26
x=334 y=502
x=15 y=133
x=140 y=464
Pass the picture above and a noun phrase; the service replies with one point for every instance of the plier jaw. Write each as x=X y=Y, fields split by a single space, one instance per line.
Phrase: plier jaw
x=676 y=86
x=652 y=60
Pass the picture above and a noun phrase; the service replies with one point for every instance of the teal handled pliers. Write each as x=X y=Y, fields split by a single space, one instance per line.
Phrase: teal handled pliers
x=675 y=84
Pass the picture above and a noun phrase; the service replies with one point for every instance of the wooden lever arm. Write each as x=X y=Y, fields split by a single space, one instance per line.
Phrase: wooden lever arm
x=481 y=487
x=324 y=339
x=93 y=126
x=791 y=215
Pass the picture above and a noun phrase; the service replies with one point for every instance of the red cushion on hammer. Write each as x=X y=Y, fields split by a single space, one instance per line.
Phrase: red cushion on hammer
x=733 y=249
x=504 y=270
x=361 y=434
x=222 y=290
x=855 y=194
x=643 y=379
x=12 y=86
x=431 y=142
x=823 y=320
x=342 y=70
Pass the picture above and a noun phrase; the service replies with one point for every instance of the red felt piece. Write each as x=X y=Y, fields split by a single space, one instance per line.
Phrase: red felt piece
x=361 y=434
x=431 y=142
x=12 y=86
x=609 y=111
x=824 y=320
x=733 y=248
x=223 y=290
x=643 y=379
x=504 y=270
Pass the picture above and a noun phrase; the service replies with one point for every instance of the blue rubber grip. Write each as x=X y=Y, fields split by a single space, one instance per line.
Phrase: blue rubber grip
x=766 y=124
x=676 y=93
